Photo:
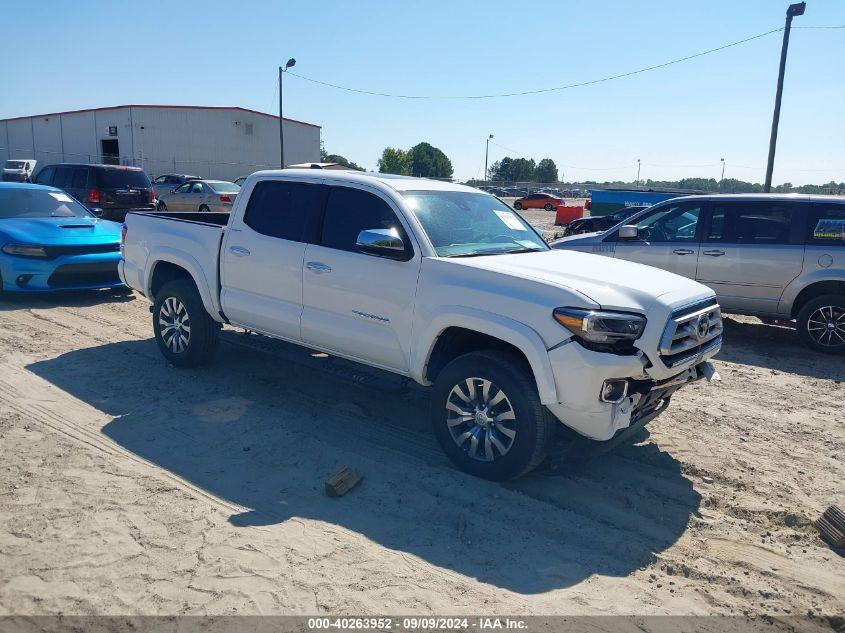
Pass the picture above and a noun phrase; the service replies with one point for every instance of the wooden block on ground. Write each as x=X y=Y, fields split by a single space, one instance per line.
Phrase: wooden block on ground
x=342 y=482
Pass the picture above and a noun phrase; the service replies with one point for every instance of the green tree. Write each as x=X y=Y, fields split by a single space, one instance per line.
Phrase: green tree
x=429 y=162
x=546 y=171
x=337 y=158
x=502 y=170
x=395 y=161
x=523 y=169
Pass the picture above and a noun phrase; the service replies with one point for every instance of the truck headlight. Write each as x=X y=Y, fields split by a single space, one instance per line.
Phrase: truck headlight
x=25 y=250
x=599 y=326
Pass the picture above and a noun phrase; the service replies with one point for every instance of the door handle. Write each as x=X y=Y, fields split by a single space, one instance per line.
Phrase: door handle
x=683 y=251
x=239 y=251
x=318 y=267
x=714 y=253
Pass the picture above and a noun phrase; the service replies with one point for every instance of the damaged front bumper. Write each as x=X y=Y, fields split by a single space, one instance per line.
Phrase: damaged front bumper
x=645 y=399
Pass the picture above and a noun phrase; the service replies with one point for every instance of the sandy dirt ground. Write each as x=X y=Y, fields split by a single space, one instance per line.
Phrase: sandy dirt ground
x=131 y=487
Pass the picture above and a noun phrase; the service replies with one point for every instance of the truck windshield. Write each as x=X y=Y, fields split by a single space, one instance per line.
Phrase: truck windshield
x=467 y=224
x=14 y=164
x=39 y=203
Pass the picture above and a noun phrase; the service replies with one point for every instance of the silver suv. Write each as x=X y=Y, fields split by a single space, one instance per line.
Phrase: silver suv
x=767 y=255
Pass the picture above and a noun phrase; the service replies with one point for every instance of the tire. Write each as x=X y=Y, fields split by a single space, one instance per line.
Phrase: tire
x=517 y=205
x=204 y=209
x=526 y=429
x=548 y=207
x=203 y=332
x=813 y=324
x=162 y=208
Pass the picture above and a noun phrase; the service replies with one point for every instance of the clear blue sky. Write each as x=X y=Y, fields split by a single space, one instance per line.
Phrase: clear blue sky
x=680 y=120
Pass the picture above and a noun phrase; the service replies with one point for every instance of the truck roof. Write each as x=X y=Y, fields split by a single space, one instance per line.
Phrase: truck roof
x=394 y=181
x=762 y=197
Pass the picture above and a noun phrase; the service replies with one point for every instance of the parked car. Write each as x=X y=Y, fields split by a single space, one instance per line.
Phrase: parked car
x=201 y=195
x=438 y=282
x=538 y=201
x=49 y=241
x=598 y=223
x=240 y=181
x=778 y=257
x=166 y=183
x=106 y=190
x=19 y=170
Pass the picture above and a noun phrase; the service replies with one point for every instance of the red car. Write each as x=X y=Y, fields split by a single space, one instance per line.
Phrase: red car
x=538 y=201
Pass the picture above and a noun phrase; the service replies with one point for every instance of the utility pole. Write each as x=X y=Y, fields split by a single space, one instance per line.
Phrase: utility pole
x=291 y=62
x=638 y=172
x=723 y=170
x=486 y=154
x=791 y=12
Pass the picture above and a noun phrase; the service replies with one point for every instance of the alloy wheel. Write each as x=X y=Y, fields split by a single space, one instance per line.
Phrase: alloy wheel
x=481 y=419
x=826 y=325
x=175 y=325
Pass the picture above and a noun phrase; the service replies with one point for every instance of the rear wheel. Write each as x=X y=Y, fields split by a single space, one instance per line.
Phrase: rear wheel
x=204 y=209
x=517 y=205
x=186 y=335
x=821 y=324
x=487 y=416
x=548 y=207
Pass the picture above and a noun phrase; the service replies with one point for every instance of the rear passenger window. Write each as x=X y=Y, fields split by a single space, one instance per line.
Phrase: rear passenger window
x=281 y=209
x=826 y=224
x=63 y=177
x=751 y=223
x=350 y=211
x=45 y=177
x=80 y=178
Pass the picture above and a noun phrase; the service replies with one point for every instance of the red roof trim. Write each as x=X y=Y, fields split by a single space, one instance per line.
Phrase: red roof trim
x=140 y=105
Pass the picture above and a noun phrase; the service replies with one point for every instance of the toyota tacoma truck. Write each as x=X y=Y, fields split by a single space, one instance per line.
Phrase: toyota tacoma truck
x=438 y=282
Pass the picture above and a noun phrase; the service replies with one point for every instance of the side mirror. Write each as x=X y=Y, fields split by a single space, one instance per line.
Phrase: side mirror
x=381 y=242
x=628 y=232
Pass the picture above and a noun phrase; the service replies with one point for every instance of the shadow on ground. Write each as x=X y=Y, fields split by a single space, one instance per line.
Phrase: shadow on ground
x=265 y=430
x=67 y=298
x=776 y=347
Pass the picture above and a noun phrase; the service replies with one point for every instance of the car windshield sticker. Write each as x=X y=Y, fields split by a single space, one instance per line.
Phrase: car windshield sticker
x=828 y=229
x=510 y=220
x=61 y=197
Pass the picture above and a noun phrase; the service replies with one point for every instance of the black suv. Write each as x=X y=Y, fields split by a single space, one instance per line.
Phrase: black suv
x=107 y=190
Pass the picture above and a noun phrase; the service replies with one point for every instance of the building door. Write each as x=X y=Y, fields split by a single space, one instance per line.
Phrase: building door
x=110 y=150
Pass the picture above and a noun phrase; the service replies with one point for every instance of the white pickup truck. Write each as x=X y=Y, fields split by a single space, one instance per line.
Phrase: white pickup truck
x=438 y=282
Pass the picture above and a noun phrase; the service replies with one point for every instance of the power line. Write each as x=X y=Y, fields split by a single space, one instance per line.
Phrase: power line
x=544 y=90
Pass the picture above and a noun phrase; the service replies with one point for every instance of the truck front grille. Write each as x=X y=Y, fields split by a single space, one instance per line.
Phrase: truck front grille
x=690 y=332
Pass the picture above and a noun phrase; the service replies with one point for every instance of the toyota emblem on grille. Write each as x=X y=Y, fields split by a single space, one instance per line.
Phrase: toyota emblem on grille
x=702 y=327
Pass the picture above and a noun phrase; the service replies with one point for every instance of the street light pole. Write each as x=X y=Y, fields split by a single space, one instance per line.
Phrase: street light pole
x=486 y=154
x=291 y=62
x=638 y=172
x=791 y=12
x=723 y=171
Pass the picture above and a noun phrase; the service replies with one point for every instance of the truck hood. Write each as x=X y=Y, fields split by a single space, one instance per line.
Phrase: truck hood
x=611 y=283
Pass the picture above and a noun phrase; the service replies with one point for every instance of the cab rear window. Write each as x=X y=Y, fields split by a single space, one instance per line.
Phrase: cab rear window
x=120 y=178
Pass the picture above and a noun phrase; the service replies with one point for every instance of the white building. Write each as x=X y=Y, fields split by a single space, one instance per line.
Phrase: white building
x=210 y=142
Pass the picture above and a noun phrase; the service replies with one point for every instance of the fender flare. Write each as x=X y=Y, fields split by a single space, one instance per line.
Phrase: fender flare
x=194 y=269
x=518 y=334
x=804 y=281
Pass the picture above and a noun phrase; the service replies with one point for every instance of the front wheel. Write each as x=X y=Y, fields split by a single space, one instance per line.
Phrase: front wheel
x=162 y=207
x=487 y=416
x=821 y=324
x=186 y=335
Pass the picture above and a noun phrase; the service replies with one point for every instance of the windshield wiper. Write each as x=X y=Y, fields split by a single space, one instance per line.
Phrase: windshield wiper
x=522 y=250
x=497 y=252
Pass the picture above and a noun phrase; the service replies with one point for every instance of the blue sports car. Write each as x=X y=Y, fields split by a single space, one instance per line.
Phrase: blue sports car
x=49 y=241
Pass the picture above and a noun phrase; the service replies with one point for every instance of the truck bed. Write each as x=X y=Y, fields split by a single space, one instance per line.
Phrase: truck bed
x=188 y=240
x=218 y=219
